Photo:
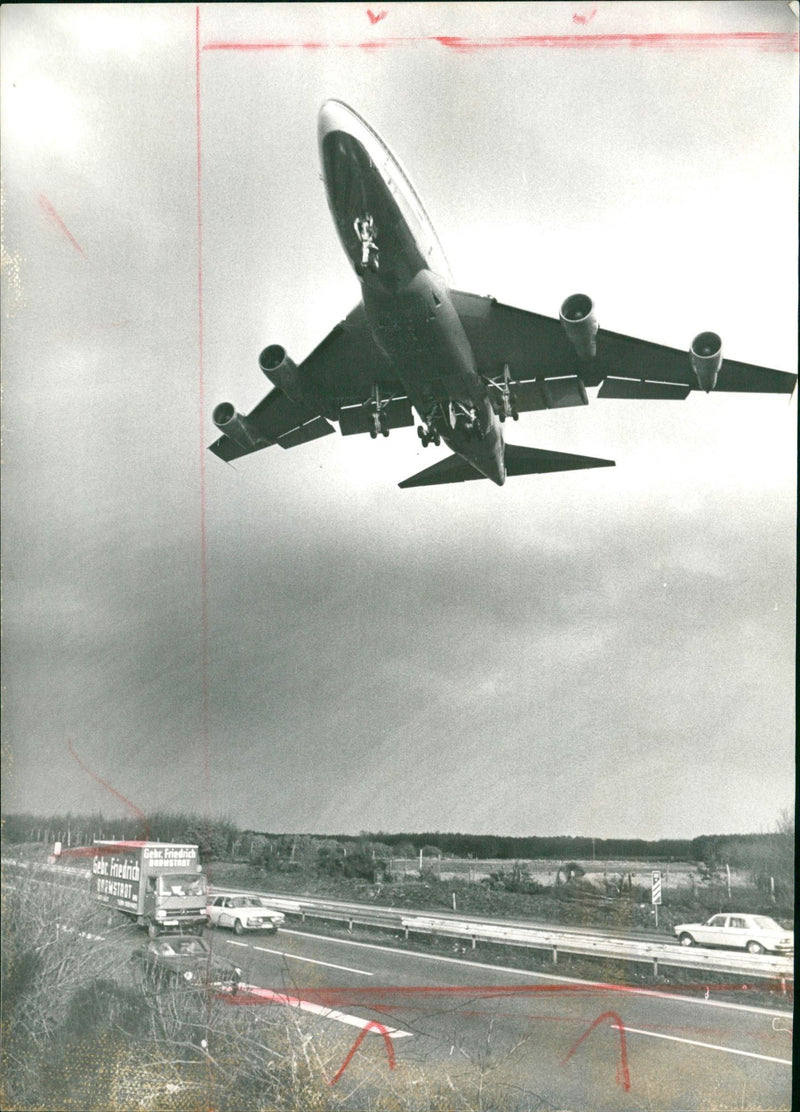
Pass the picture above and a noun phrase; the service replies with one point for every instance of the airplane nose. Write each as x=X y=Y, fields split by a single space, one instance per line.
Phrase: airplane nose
x=333 y=116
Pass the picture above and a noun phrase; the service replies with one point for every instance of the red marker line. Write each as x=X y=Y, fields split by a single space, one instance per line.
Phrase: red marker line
x=759 y=40
x=47 y=208
x=204 y=726
x=108 y=787
x=763 y=40
x=623 y=1075
x=371 y=1026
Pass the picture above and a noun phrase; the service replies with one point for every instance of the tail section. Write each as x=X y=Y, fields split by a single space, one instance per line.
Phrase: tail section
x=519 y=461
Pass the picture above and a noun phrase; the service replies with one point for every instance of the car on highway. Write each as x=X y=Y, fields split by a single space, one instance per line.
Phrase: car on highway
x=243 y=912
x=755 y=933
x=184 y=960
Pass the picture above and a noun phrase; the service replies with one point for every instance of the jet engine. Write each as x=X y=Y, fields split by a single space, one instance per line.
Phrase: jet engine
x=706 y=356
x=281 y=371
x=237 y=427
x=578 y=319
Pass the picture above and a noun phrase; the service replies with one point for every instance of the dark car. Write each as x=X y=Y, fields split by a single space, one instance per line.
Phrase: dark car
x=185 y=960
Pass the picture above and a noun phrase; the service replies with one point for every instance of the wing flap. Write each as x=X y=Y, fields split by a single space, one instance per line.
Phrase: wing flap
x=642 y=390
x=548 y=393
x=303 y=434
x=396 y=414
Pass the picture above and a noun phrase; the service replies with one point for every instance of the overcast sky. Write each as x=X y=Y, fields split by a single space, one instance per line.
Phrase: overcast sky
x=293 y=641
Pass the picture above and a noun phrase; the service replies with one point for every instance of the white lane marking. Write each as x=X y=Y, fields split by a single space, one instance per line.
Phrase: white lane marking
x=313 y=961
x=326 y=1013
x=231 y=942
x=705 y=1045
x=632 y=990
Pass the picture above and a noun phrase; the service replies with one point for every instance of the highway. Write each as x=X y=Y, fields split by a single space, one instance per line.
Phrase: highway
x=511 y=1039
x=532 y=1033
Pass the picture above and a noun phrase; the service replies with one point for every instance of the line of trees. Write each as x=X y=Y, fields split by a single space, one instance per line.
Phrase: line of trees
x=216 y=837
x=501 y=847
x=221 y=839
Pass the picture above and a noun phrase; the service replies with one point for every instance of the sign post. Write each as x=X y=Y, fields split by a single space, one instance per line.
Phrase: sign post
x=655 y=894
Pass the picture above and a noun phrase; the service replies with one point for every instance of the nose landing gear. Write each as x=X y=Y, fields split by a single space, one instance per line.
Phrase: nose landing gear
x=464 y=419
x=367 y=232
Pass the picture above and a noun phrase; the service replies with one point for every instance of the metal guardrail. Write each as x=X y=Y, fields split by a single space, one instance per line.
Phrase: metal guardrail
x=761 y=966
x=764 y=967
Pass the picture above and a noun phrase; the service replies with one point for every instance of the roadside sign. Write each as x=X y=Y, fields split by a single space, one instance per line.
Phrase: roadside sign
x=655 y=895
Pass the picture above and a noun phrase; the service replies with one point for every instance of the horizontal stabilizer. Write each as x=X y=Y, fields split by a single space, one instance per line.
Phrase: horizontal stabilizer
x=451 y=469
x=519 y=461
x=537 y=461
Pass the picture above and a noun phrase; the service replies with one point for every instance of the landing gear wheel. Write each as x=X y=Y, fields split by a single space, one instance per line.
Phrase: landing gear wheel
x=514 y=415
x=373 y=433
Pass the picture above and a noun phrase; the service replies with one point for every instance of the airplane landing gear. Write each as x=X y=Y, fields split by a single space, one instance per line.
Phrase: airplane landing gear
x=505 y=407
x=379 y=425
x=378 y=416
x=429 y=434
x=366 y=231
x=464 y=419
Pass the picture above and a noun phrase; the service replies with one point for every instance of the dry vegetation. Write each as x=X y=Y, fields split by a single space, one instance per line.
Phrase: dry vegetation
x=81 y=1034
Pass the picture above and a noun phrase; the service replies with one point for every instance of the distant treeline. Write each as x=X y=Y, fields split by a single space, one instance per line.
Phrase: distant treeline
x=491 y=846
x=221 y=838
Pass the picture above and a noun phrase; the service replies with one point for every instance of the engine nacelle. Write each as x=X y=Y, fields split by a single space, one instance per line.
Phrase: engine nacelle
x=578 y=319
x=281 y=371
x=706 y=356
x=237 y=427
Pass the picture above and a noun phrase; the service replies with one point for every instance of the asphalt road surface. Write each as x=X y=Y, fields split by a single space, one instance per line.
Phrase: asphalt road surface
x=539 y=1039
x=576 y=1044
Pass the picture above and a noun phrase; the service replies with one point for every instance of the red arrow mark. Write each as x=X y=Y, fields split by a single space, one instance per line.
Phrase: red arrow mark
x=623 y=1077
x=371 y=1026
x=373 y=18
x=47 y=208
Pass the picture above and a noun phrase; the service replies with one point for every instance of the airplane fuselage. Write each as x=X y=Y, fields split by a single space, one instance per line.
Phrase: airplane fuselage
x=396 y=255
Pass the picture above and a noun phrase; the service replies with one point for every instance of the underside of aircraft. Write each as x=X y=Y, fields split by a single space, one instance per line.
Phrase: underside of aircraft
x=465 y=364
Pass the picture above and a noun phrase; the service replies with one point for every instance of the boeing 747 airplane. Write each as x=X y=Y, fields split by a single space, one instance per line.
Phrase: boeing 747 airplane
x=463 y=363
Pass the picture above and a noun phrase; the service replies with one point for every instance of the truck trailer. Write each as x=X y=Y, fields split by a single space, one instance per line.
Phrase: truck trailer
x=159 y=884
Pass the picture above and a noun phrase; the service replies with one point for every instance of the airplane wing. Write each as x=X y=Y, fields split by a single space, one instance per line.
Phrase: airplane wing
x=546 y=372
x=337 y=378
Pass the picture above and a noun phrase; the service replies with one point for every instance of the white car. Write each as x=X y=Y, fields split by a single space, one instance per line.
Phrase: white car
x=754 y=933
x=244 y=913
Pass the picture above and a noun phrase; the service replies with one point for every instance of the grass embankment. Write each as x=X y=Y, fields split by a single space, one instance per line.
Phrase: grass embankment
x=566 y=905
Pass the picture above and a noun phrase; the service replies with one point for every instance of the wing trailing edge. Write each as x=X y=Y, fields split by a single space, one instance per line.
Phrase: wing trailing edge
x=519 y=461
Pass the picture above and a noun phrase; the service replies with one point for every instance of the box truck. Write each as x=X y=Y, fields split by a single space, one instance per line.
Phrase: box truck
x=159 y=884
